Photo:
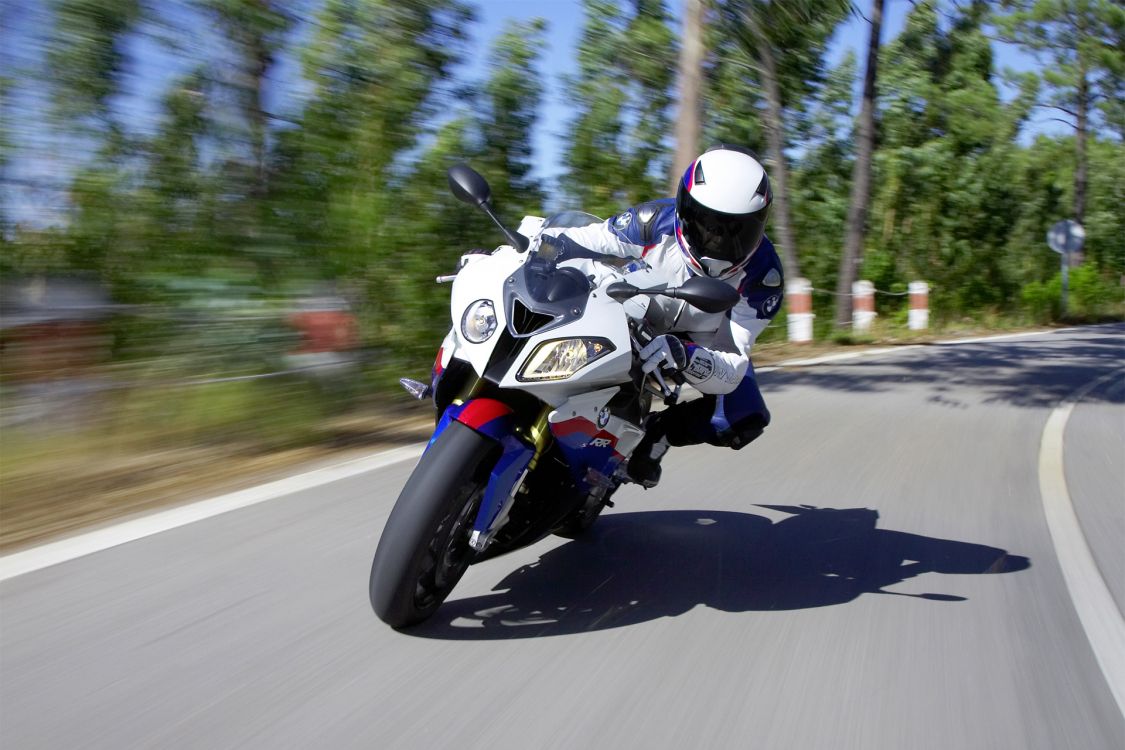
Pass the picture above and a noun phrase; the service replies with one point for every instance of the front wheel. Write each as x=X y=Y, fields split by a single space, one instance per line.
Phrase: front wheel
x=424 y=549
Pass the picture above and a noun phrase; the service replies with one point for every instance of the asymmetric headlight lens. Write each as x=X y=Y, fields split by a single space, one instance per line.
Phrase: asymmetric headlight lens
x=557 y=360
x=479 y=321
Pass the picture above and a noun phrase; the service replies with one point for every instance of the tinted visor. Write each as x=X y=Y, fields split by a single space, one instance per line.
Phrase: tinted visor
x=713 y=234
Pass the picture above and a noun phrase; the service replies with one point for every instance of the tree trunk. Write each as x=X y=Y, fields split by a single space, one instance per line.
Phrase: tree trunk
x=779 y=174
x=259 y=62
x=1082 y=112
x=691 y=77
x=861 y=176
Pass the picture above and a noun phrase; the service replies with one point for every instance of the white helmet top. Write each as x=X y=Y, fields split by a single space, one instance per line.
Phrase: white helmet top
x=721 y=207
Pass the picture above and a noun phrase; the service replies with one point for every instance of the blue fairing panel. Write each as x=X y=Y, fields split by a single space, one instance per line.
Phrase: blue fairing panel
x=507 y=471
x=486 y=417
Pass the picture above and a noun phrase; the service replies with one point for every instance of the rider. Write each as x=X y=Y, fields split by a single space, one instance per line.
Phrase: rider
x=714 y=226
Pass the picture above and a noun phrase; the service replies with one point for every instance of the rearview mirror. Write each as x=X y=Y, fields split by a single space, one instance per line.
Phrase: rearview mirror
x=709 y=295
x=468 y=186
x=622 y=290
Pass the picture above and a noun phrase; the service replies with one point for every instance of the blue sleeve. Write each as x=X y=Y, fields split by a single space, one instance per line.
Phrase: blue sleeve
x=763 y=286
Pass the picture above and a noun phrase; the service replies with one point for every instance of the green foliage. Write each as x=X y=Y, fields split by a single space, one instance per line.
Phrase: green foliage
x=1092 y=295
x=1082 y=43
x=512 y=100
x=797 y=31
x=1042 y=300
x=617 y=153
x=86 y=56
x=822 y=177
x=345 y=184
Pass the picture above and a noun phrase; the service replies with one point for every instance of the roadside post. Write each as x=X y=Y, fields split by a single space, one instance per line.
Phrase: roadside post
x=863 y=305
x=918 y=319
x=1066 y=238
x=798 y=292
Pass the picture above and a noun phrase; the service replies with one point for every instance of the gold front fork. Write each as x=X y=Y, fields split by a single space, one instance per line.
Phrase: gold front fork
x=540 y=435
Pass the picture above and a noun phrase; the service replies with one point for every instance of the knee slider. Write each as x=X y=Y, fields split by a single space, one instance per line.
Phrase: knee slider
x=745 y=432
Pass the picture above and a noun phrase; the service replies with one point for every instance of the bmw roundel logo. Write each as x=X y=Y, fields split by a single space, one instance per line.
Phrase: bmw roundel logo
x=603 y=417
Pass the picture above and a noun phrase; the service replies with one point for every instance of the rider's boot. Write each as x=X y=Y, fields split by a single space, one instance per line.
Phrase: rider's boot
x=644 y=465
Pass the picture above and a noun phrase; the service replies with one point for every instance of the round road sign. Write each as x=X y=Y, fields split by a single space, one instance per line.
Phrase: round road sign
x=1066 y=237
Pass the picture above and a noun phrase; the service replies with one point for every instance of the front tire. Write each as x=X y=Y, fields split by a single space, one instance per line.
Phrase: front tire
x=424 y=549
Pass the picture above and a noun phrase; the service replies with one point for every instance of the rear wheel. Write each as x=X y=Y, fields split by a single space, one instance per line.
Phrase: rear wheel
x=582 y=519
x=424 y=549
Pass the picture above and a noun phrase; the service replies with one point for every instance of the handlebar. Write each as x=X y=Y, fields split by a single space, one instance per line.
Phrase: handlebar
x=642 y=335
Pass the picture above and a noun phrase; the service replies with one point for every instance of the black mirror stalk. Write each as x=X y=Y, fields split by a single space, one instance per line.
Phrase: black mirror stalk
x=468 y=186
x=707 y=294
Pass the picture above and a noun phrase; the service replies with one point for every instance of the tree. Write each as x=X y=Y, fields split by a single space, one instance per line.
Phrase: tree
x=343 y=183
x=1079 y=43
x=86 y=56
x=616 y=147
x=688 y=125
x=256 y=31
x=376 y=68
x=784 y=45
x=174 y=196
x=511 y=103
x=949 y=169
x=861 y=174
x=432 y=228
x=85 y=67
x=822 y=175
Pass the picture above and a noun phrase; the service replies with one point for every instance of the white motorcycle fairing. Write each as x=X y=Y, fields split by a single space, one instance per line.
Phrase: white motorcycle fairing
x=594 y=441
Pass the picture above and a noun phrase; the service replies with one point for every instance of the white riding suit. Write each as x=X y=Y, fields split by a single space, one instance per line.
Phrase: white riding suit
x=718 y=346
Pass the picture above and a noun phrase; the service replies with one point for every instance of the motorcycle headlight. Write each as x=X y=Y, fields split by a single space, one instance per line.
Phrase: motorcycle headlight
x=557 y=360
x=479 y=321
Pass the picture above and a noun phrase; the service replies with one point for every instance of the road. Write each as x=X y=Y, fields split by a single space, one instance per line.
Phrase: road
x=877 y=571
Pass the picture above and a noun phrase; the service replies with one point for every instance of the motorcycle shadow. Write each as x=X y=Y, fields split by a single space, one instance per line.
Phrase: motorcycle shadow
x=635 y=567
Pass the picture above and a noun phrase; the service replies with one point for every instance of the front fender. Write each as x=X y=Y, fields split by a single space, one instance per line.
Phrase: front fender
x=485 y=415
x=493 y=419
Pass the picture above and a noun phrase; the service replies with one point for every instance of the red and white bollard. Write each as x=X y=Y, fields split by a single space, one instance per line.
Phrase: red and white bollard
x=863 y=305
x=919 y=317
x=800 y=316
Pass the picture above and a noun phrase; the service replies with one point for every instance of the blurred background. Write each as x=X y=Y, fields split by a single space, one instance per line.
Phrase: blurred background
x=220 y=220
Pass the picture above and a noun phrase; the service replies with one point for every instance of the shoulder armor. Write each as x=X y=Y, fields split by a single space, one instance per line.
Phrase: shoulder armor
x=645 y=224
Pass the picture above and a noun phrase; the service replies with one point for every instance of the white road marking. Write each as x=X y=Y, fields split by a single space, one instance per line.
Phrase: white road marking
x=999 y=337
x=69 y=548
x=1100 y=616
x=828 y=358
x=90 y=542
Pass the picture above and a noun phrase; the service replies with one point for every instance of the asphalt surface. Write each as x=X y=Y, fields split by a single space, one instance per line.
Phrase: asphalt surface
x=875 y=572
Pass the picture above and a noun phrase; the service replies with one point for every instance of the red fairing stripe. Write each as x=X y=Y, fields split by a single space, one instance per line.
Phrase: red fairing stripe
x=438 y=369
x=481 y=411
x=571 y=426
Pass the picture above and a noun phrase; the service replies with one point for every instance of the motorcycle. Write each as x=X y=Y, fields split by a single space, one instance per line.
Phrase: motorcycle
x=539 y=399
